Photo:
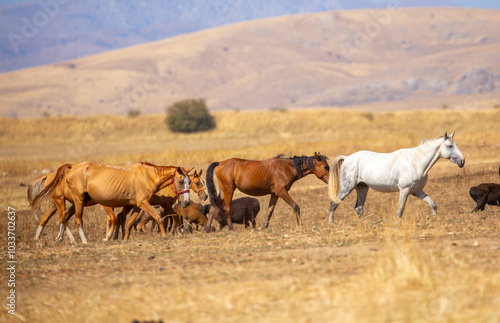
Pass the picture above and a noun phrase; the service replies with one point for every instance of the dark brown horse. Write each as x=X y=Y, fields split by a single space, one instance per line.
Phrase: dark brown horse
x=486 y=193
x=273 y=176
x=243 y=211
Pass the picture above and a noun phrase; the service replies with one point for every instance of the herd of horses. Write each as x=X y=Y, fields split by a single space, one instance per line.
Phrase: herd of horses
x=141 y=187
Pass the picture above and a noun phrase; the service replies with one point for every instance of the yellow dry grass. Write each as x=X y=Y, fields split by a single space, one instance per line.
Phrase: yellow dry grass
x=380 y=269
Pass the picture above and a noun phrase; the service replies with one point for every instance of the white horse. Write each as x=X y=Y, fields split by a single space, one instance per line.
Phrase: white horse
x=404 y=170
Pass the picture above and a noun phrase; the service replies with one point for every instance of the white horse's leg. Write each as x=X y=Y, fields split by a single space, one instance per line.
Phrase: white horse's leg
x=345 y=189
x=361 y=191
x=403 y=196
x=427 y=199
x=333 y=207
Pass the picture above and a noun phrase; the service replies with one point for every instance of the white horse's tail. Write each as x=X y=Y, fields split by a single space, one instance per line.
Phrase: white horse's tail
x=334 y=180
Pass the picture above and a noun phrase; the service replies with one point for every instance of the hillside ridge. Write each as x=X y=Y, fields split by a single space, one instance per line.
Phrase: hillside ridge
x=357 y=58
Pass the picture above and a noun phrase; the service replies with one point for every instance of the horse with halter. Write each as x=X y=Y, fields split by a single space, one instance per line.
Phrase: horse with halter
x=274 y=176
x=112 y=186
x=405 y=170
x=166 y=198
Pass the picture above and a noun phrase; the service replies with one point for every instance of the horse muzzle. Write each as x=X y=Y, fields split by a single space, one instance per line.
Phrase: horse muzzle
x=185 y=202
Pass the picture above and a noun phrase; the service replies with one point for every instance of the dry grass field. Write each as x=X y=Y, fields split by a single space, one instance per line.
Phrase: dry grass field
x=380 y=269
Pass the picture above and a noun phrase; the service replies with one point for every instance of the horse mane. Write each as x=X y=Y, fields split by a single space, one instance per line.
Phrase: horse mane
x=159 y=170
x=423 y=140
x=303 y=163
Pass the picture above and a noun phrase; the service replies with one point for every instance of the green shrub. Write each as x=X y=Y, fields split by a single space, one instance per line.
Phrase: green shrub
x=189 y=116
x=132 y=113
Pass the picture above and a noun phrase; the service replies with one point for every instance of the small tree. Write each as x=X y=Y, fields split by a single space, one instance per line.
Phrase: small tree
x=132 y=113
x=189 y=116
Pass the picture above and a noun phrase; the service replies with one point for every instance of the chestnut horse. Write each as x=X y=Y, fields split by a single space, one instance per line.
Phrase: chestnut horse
x=113 y=186
x=38 y=185
x=165 y=198
x=273 y=176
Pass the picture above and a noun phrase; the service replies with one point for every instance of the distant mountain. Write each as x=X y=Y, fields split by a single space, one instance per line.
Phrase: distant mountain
x=50 y=31
x=416 y=57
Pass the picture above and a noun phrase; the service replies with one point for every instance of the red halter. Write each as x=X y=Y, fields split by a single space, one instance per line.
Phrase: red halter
x=175 y=188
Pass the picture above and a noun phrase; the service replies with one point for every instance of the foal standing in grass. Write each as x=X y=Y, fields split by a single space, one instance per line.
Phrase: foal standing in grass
x=404 y=170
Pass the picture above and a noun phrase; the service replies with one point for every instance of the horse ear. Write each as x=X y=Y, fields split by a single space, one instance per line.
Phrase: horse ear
x=195 y=173
x=317 y=156
x=451 y=136
x=446 y=135
x=201 y=171
x=189 y=170
x=182 y=171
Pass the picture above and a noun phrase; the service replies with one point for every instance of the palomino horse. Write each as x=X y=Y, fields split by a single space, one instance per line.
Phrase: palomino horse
x=404 y=170
x=38 y=185
x=165 y=198
x=273 y=176
x=114 y=186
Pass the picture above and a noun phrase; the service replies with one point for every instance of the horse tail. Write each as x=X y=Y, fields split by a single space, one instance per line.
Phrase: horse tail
x=212 y=192
x=33 y=190
x=334 y=179
x=49 y=189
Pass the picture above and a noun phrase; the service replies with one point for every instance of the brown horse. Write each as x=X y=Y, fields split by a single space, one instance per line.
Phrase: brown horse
x=38 y=185
x=114 y=186
x=193 y=215
x=273 y=176
x=165 y=198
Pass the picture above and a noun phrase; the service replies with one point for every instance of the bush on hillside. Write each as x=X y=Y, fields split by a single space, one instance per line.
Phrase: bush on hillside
x=188 y=116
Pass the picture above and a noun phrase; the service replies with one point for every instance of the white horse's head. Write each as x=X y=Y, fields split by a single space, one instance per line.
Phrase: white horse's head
x=449 y=150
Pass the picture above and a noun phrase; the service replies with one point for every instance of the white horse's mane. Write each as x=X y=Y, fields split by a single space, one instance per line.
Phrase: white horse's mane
x=423 y=140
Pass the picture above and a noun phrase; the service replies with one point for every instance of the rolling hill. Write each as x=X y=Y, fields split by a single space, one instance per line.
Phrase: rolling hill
x=46 y=32
x=360 y=58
